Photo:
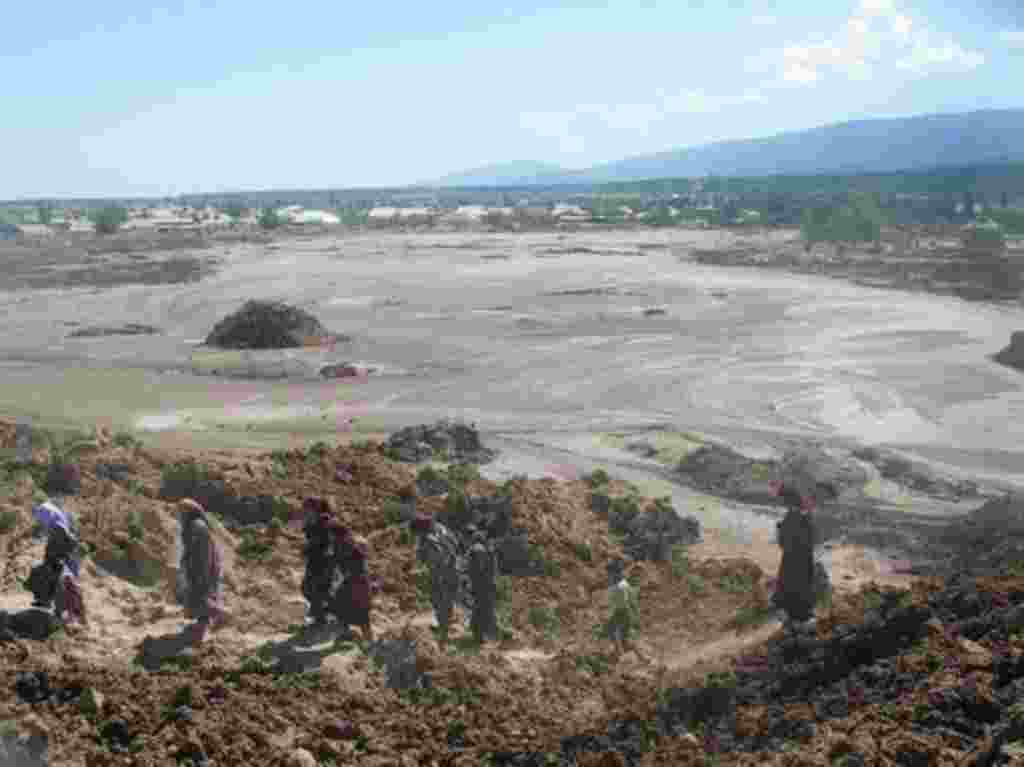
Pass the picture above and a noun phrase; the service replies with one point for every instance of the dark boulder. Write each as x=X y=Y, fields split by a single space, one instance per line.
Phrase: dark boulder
x=267 y=325
x=1012 y=355
x=458 y=441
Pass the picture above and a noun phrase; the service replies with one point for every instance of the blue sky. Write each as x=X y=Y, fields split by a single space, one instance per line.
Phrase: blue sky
x=120 y=97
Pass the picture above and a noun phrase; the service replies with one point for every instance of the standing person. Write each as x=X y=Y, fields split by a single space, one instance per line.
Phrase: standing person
x=320 y=576
x=199 y=571
x=795 y=584
x=483 y=577
x=438 y=548
x=353 y=601
x=625 y=612
x=55 y=580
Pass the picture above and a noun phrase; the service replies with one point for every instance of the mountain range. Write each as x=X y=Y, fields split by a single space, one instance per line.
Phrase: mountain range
x=859 y=146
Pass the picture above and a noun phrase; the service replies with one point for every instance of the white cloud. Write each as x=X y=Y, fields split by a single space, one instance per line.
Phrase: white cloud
x=1013 y=38
x=876 y=38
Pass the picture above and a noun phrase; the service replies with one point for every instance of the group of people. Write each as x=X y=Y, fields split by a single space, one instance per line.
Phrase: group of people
x=337 y=584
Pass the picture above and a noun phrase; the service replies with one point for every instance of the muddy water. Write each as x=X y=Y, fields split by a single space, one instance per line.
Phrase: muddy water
x=745 y=354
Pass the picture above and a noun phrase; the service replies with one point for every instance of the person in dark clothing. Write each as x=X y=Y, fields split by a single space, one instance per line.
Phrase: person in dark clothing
x=438 y=549
x=483 y=577
x=353 y=600
x=795 y=590
x=320 y=577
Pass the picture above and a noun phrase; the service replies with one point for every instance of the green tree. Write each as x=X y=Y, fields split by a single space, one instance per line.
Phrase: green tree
x=45 y=214
x=235 y=211
x=108 y=220
x=270 y=218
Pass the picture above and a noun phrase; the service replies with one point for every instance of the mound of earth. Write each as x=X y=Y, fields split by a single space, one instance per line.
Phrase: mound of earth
x=455 y=440
x=720 y=470
x=267 y=325
x=989 y=538
x=1013 y=354
x=130 y=329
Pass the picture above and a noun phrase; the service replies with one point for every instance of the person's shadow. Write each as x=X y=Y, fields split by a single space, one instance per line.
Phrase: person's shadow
x=155 y=651
x=306 y=649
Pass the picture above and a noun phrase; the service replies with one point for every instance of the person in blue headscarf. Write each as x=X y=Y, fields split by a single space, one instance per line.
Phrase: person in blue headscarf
x=55 y=580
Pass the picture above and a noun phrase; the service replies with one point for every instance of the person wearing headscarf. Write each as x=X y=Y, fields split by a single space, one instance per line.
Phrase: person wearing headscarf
x=483 y=579
x=795 y=590
x=200 y=571
x=438 y=549
x=55 y=580
x=320 y=577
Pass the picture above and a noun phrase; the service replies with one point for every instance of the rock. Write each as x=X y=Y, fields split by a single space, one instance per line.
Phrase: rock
x=114 y=472
x=34 y=623
x=1012 y=355
x=822 y=474
x=652 y=534
x=975 y=657
x=600 y=503
x=399 y=659
x=267 y=325
x=300 y=757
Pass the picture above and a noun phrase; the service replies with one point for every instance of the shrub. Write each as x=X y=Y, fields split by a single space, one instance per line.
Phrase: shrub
x=428 y=474
x=318 y=451
x=750 y=616
x=8 y=519
x=108 y=220
x=597 y=478
x=270 y=219
x=721 y=679
x=461 y=473
x=596 y=663
x=549 y=567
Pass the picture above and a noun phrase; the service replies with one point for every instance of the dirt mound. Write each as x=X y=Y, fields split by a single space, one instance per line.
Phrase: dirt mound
x=454 y=440
x=267 y=325
x=720 y=470
x=1013 y=354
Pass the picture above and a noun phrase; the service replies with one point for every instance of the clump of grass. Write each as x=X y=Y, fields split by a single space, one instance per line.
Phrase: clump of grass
x=597 y=478
x=696 y=584
x=736 y=583
x=127 y=440
x=394 y=513
x=543 y=619
x=752 y=616
x=136 y=530
x=428 y=474
x=680 y=561
x=549 y=567
x=461 y=473
x=721 y=680
x=596 y=663
x=252 y=548
x=8 y=520
x=583 y=551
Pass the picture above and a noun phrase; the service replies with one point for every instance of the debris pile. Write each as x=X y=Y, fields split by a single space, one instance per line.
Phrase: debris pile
x=453 y=440
x=1013 y=354
x=268 y=325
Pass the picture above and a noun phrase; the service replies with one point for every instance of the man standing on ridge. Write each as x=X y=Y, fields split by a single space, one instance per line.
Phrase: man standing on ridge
x=795 y=584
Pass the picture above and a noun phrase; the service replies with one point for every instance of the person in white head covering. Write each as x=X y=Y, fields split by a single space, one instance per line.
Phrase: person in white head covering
x=55 y=579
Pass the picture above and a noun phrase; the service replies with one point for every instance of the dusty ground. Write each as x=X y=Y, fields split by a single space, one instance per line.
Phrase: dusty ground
x=537 y=679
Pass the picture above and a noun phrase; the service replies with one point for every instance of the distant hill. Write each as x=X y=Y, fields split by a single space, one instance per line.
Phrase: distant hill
x=520 y=173
x=860 y=146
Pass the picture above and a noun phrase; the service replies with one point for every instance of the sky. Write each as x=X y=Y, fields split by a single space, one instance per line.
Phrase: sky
x=127 y=98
